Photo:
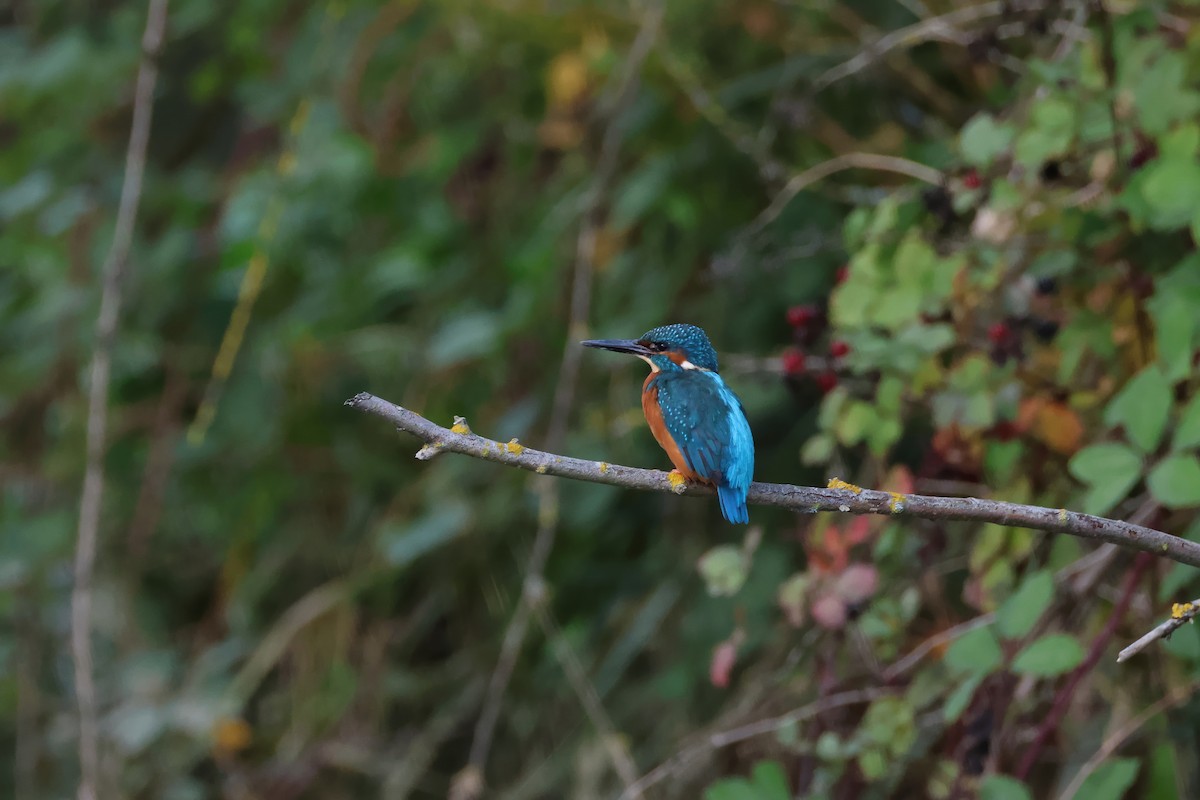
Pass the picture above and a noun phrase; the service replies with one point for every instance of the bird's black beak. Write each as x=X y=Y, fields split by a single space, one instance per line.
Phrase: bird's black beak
x=631 y=346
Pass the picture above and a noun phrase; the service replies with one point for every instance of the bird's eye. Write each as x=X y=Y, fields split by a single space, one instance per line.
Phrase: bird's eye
x=657 y=347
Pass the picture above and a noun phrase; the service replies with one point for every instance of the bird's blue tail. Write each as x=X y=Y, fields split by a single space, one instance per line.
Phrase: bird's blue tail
x=733 y=504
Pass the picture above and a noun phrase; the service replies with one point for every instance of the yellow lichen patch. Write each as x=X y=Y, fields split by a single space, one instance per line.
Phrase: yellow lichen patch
x=541 y=469
x=460 y=426
x=1181 y=610
x=1062 y=515
x=602 y=467
x=514 y=447
x=838 y=483
x=677 y=481
x=896 y=503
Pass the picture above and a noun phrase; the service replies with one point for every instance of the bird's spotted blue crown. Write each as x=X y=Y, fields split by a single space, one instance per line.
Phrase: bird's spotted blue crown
x=691 y=340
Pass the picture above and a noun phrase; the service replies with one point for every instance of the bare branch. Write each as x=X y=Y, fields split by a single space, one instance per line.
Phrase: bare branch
x=92 y=496
x=818 y=172
x=617 y=753
x=940 y=28
x=841 y=497
x=1181 y=614
x=725 y=738
x=1177 y=696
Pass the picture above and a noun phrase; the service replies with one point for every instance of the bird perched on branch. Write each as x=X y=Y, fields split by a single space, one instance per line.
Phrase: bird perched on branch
x=693 y=415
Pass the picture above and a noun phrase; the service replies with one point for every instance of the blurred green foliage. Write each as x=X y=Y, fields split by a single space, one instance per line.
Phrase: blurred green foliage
x=287 y=605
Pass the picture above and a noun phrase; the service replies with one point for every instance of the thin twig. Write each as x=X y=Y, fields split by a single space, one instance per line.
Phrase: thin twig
x=769 y=169
x=1062 y=700
x=799 y=183
x=935 y=28
x=839 y=497
x=725 y=738
x=92 y=496
x=1184 y=613
x=619 y=756
x=469 y=782
x=1178 y=696
x=933 y=642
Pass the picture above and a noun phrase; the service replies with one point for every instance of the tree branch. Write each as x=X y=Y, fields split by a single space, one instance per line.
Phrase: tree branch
x=92 y=497
x=1181 y=614
x=839 y=496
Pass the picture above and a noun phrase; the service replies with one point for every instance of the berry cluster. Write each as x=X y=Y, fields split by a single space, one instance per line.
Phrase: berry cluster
x=808 y=324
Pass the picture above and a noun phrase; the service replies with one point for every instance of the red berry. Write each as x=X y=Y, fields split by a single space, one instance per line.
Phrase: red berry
x=1147 y=151
x=972 y=180
x=838 y=349
x=827 y=381
x=793 y=362
x=799 y=316
x=999 y=333
x=1005 y=431
x=842 y=273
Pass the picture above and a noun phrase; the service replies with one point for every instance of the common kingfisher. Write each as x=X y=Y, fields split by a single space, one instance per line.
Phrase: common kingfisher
x=693 y=415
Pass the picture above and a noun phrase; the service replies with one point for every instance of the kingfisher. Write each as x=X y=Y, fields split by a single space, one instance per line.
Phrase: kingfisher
x=694 y=416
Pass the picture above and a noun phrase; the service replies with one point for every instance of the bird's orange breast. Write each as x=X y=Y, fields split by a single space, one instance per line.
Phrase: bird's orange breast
x=658 y=427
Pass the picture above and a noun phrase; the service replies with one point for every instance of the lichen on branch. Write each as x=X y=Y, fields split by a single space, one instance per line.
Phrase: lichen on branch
x=803 y=499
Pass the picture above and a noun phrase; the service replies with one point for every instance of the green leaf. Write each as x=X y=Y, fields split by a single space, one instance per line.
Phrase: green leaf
x=1175 y=481
x=975 y=653
x=1002 y=787
x=983 y=139
x=1175 y=330
x=1110 y=781
x=1051 y=130
x=1049 y=656
x=641 y=192
x=464 y=337
x=724 y=570
x=817 y=450
x=873 y=764
x=1187 y=433
x=1021 y=612
x=1142 y=407
x=891 y=723
x=1162 y=94
x=1110 y=469
x=1171 y=187
x=731 y=789
x=958 y=700
x=404 y=544
x=856 y=422
x=770 y=781
x=767 y=782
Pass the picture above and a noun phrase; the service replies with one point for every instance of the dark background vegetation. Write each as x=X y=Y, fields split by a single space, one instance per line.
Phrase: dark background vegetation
x=288 y=605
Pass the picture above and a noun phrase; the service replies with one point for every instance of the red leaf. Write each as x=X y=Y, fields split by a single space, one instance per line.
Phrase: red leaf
x=857 y=583
x=723 y=658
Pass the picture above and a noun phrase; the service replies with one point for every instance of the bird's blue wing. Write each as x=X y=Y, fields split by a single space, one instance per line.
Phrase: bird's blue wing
x=708 y=424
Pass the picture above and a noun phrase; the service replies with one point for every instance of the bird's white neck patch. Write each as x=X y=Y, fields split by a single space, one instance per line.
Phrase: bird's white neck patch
x=689 y=365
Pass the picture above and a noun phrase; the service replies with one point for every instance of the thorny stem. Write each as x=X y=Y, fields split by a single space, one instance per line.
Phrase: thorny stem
x=1062 y=700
